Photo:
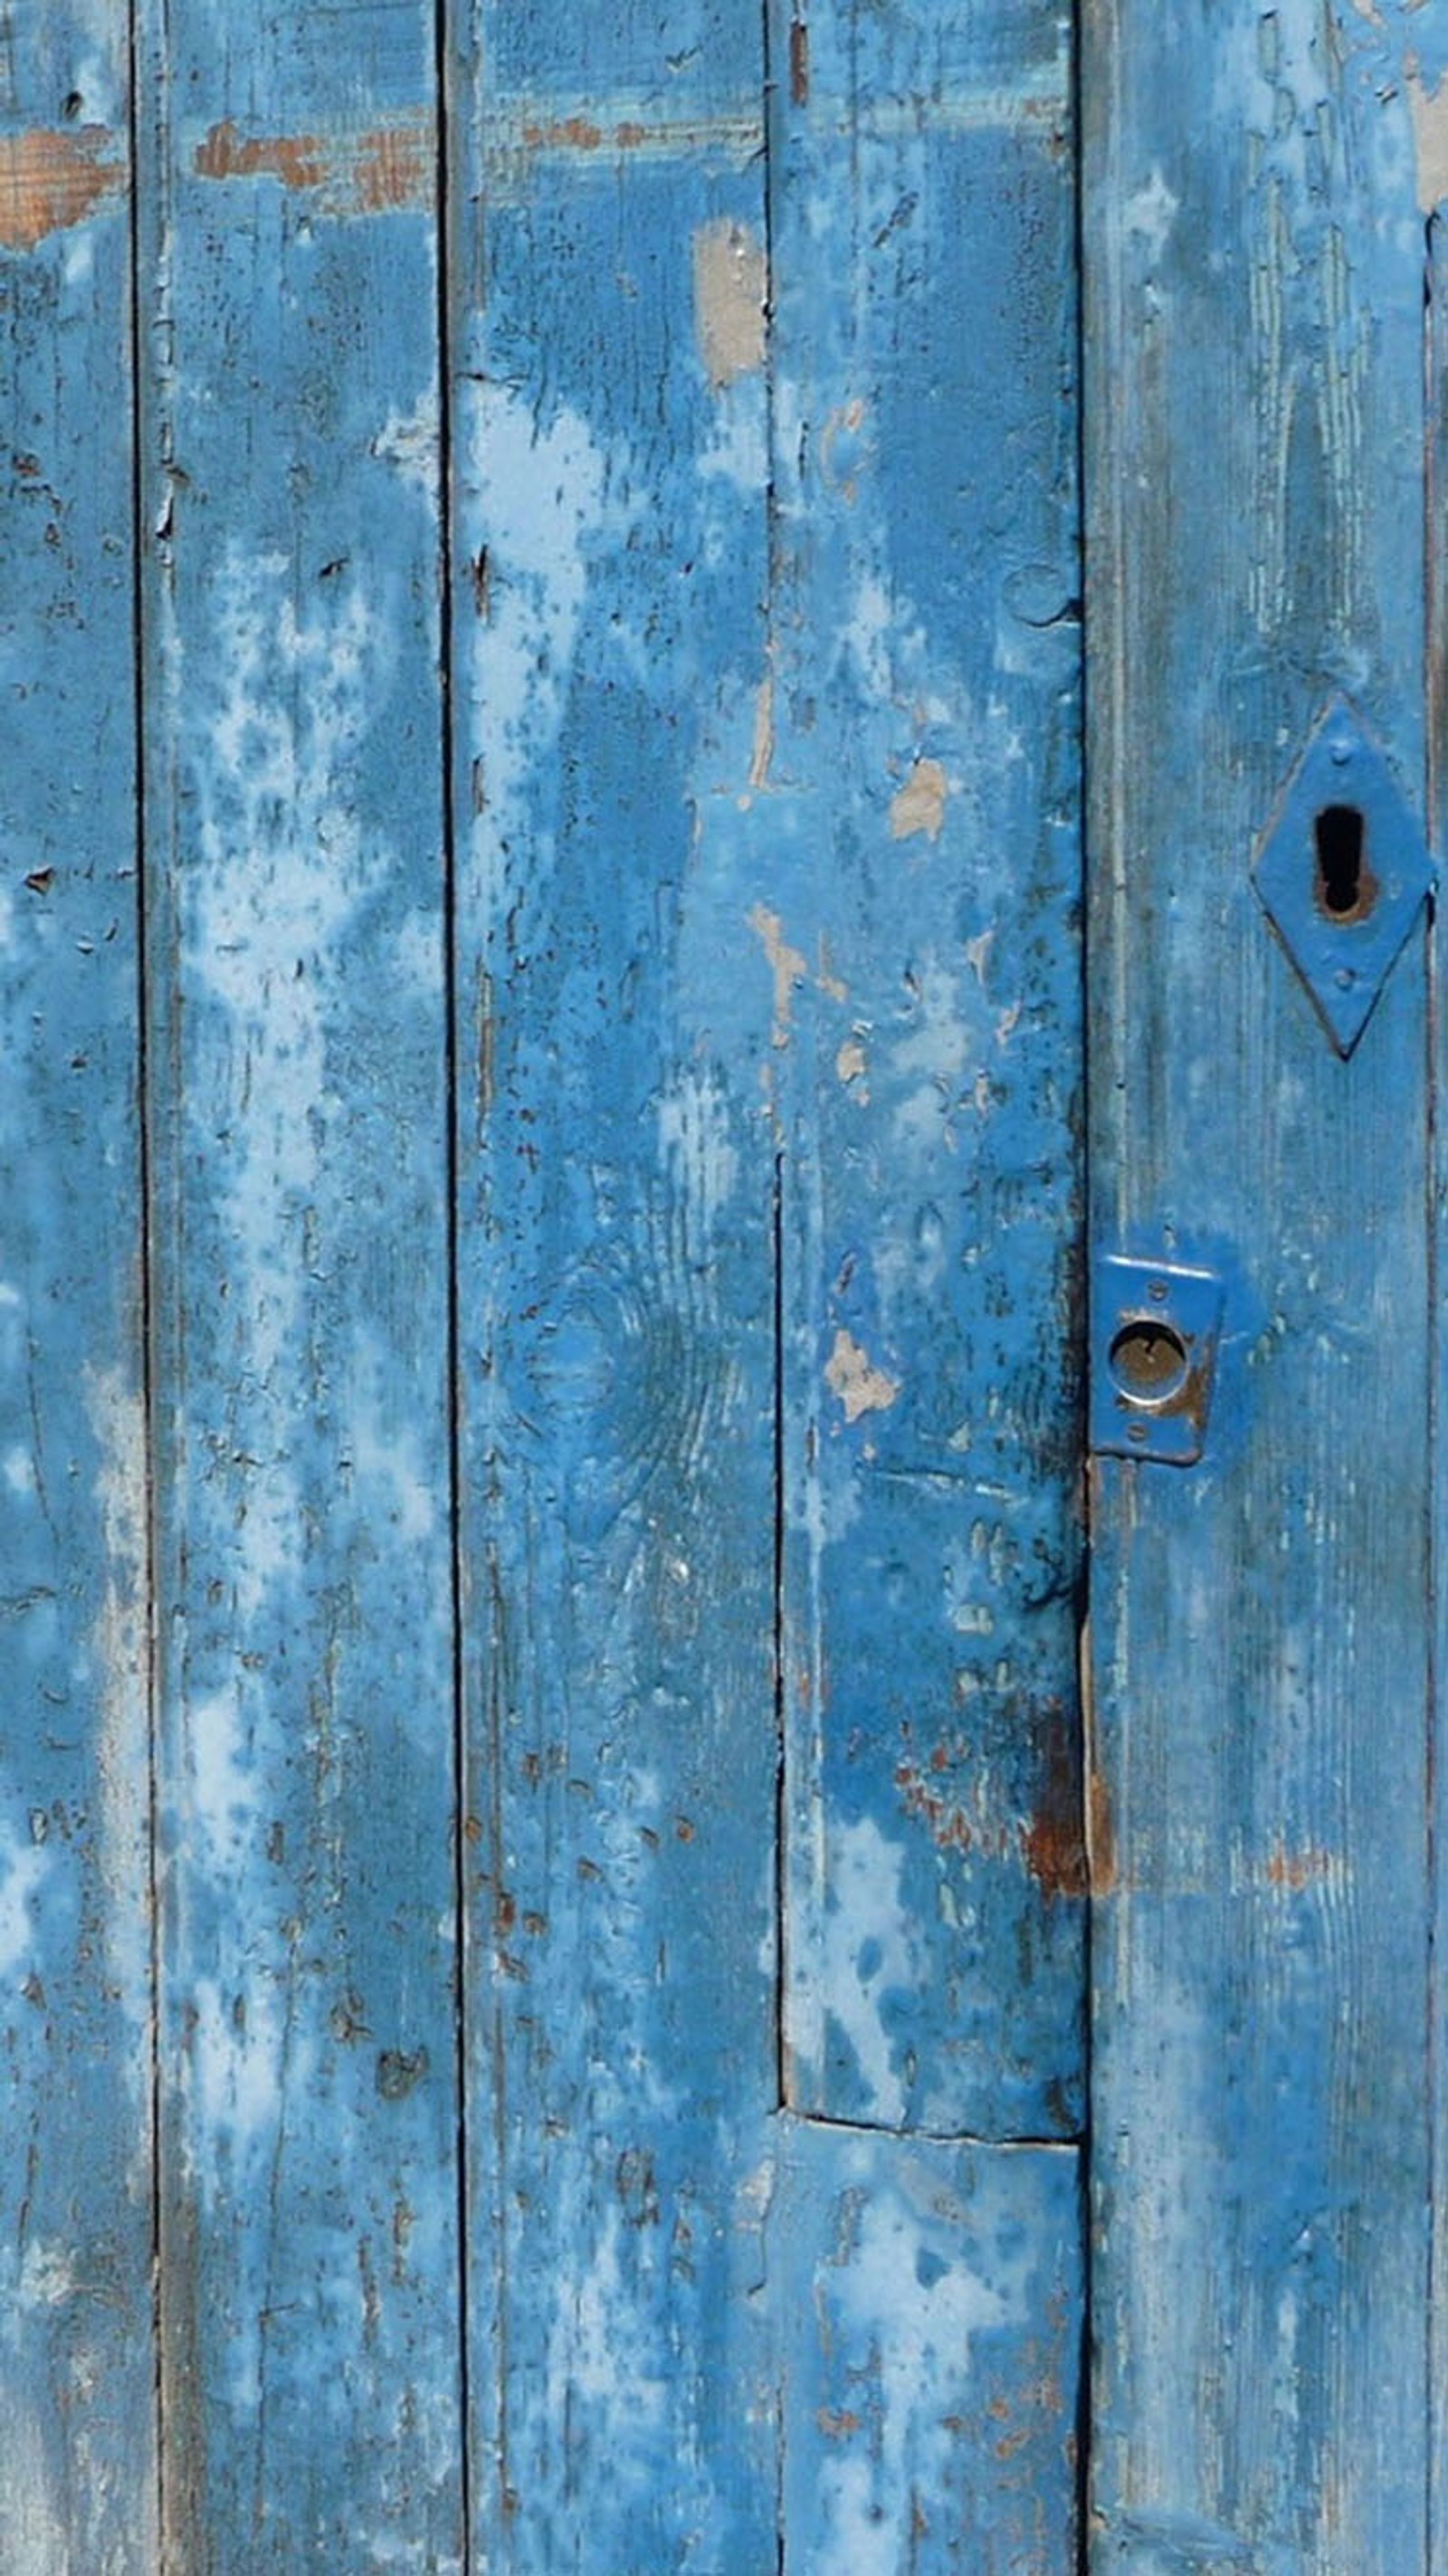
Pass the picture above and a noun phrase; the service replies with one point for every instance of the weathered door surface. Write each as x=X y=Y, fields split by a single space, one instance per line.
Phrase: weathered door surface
x=545 y=1848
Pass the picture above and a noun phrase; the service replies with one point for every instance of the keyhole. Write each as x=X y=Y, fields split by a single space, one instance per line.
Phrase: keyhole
x=1149 y=1360
x=1345 y=888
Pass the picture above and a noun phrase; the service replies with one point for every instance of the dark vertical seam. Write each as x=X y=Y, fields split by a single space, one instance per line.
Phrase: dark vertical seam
x=769 y=71
x=1434 y=711
x=1076 y=96
x=767 y=65
x=452 y=1159
x=139 y=434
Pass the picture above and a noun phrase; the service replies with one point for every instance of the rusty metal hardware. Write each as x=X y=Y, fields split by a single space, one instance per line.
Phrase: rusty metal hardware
x=1156 y=1328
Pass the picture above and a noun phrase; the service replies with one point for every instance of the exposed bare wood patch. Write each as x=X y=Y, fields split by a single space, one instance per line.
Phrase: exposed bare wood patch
x=376 y=171
x=730 y=291
x=51 y=180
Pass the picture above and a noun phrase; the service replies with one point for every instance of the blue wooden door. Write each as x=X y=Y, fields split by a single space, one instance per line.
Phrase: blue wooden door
x=1264 y=406
x=543 y=1262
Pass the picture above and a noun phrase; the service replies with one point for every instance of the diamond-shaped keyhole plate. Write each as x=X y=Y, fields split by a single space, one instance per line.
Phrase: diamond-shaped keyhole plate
x=1343 y=870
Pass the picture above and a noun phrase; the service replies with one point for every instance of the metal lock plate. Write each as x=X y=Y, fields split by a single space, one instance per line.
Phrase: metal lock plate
x=1155 y=1335
x=1343 y=870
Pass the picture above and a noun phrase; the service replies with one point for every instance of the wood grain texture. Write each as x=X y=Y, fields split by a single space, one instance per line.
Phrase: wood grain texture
x=307 y=1809
x=929 y=2299
x=616 y=1173
x=922 y=765
x=1255 y=404
x=77 y=2355
x=1433 y=191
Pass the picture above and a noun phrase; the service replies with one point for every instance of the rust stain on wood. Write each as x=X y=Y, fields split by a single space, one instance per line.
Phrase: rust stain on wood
x=51 y=180
x=1054 y=1843
x=1101 y=1837
x=378 y=171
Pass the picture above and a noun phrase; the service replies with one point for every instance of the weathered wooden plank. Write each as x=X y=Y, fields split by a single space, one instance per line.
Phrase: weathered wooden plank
x=929 y=2297
x=1255 y=468
x=922 y=927
x=310 y=2254
x=1431 y=134
x=616 y=1269
x=77 y=2356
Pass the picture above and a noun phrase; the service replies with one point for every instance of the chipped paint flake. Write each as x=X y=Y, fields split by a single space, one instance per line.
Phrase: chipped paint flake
x=763 y=750
x=919 y=806
x=852 y=1376
x=1430 y=136
x=411 y=441
x=787 y=965
x=50 y=181
x=730 y=297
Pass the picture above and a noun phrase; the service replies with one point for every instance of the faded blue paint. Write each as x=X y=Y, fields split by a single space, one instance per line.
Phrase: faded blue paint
x=616 y=1186
x=758 y=699
x=1261 y=2153
x=929 y=2302
x=77 y=2358
x=924 y=794
x=306 y=1797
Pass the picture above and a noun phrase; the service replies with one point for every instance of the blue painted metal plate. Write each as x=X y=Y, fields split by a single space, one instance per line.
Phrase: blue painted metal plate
x=1343 y=872
x=1154 y=1338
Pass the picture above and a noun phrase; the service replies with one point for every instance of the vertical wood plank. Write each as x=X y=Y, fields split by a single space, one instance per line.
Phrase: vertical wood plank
x=310 y=2253
x=1255 y=414
x=1431 y=134
x=929 y=2298
x=77 y=2355
x=923 y=929
x=617 y=1299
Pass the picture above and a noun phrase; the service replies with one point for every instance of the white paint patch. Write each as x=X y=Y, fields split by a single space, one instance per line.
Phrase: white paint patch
x=731 y=293
x=19 y=1472
x=387 y=1458
x=281 y=867
x=949 y=1039
x=1151 y=213
x=698 y=1149
x=47 y=2276
x=411 y=441
x=24 y=1865
x=241 y=2058
x=537 y=502
x=903 y=2328
x=851 y=1374
x=119 y=1644
x=867 y=1953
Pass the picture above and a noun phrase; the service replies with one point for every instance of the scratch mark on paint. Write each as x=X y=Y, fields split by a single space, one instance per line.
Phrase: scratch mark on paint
x=374 y=172
x=919 y=806
x=786 y=964
x=730 y=295
x=50 y=181
x=852 y=1376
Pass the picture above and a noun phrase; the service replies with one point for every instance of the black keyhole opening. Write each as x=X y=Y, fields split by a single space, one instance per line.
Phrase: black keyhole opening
x=1345 y=887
